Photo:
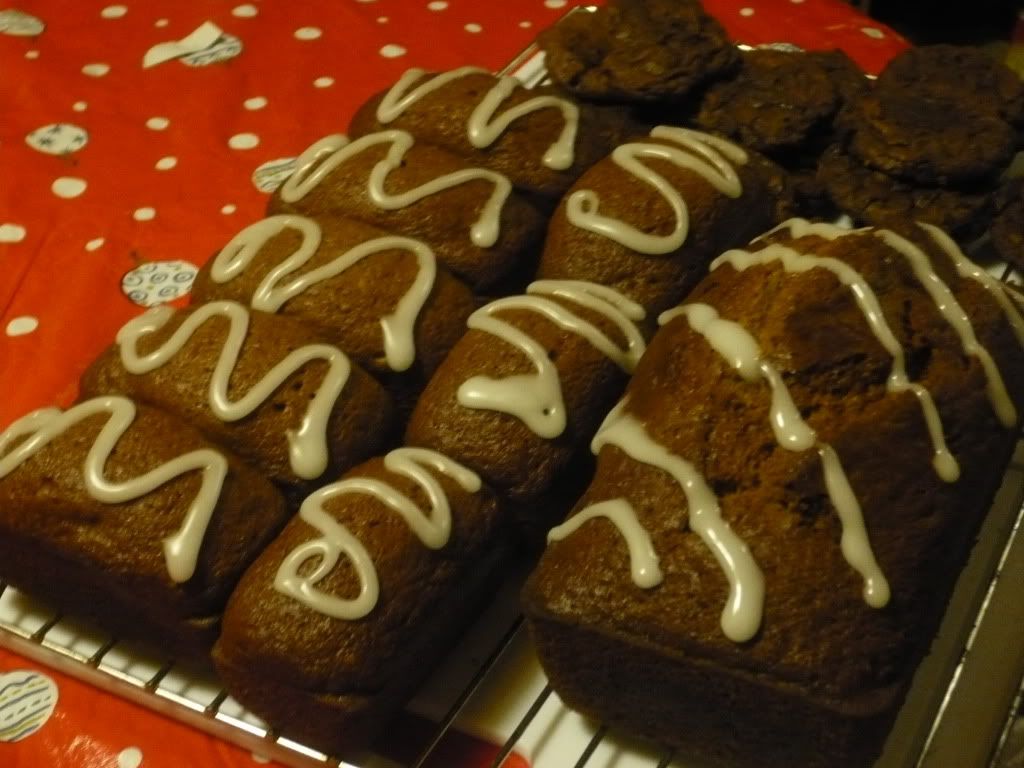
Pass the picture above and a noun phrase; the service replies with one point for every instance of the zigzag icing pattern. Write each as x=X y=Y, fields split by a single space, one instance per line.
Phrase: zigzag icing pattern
x=39 y=428
x=398 y=327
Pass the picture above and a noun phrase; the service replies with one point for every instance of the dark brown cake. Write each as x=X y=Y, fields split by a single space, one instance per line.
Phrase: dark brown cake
x=813 y=675
x=111 y=561
x=540 y=139
x=354 y=279
x=722 y=195
x=475 y=223
x=637 y=50
x=519 y=434
x=873 y=197
x=958 y=75
x=775 y=102
x=331 y=681
x=292 y=406
x=905 y=134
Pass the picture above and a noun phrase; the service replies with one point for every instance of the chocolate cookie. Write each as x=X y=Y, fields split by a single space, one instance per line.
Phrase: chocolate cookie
x=959 y=75
x=849 y=80
x=777 y=100
x=633 y=50
x=926 y=140
x=873 y=197
x=1008 y=225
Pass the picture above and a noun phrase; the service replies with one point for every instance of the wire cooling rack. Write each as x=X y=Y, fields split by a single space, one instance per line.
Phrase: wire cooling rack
x=965 y=702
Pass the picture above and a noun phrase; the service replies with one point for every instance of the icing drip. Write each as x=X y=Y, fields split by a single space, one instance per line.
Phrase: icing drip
x=308 y=451
x=324 y=156
x=954 y=314
x=967 y=268
x=181 y=550
x=432 y=527
x=734 y=343
x=398 y=327
x=798 y=228
x=483 y=129
x=741 y=616
x=536 y=398
x=945 y=464
x=644 y=568
x=708 y=156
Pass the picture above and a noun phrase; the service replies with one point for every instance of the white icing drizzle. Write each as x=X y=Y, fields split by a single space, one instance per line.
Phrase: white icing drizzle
x=734 y=343
x=328 y=153
x=483 y=128
x=432 y=527
x=798 y=228
x=398 y=327
x=536 y=398
x=967 y=268
x=308 y=451
x=644 y=567
x=954 y=314
x=708 y=156
x=943 y=461
x=181 y=550
x=741 y=616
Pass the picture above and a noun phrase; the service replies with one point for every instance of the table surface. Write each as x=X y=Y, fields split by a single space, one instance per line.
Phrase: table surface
x=117 y=180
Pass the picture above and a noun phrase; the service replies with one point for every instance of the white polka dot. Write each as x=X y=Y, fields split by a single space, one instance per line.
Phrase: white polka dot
x=144 y=214
x=161 y=23
x=33 y=54
x=95 y=244
x=382 y=19
x=246 y=11
x=323 y=82
x=19 y=326
x=244 y=141
x=474 y=28
x=96 y=70
x=113 y=12
x=11 y=233
x=367 y=1
x=79 y=106
x=796 y=2
x=129 y=758
x=308 y=33
x=259 y=759
x=228 y=209
x=437 y=5
x=157 y=123
x=746 y=11
x=68 y=187
x=874 y=32
x=554 y=3
x=256 y=102
x=525 y=24
x=166 y=163
x=392 y=51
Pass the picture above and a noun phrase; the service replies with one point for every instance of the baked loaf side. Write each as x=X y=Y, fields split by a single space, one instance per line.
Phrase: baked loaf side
x=124 y=515
x=783 y=499
x=646 y=220
x=261 y=385
x=528 y=384
x=475 y=223
x=539 y=138
x=381 y=298
x=342 y=616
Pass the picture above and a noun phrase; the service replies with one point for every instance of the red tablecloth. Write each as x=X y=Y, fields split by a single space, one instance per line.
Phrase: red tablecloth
x=118 y=179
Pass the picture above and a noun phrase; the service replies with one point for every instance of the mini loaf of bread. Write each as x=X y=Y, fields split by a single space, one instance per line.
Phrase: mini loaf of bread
x=528 y=384
x=343 y=615
x=476 y=225
x=381 y=298
x=261 y=385
x=783 y=499
x=646 y=220
x=539 y=138
x=122 y=514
